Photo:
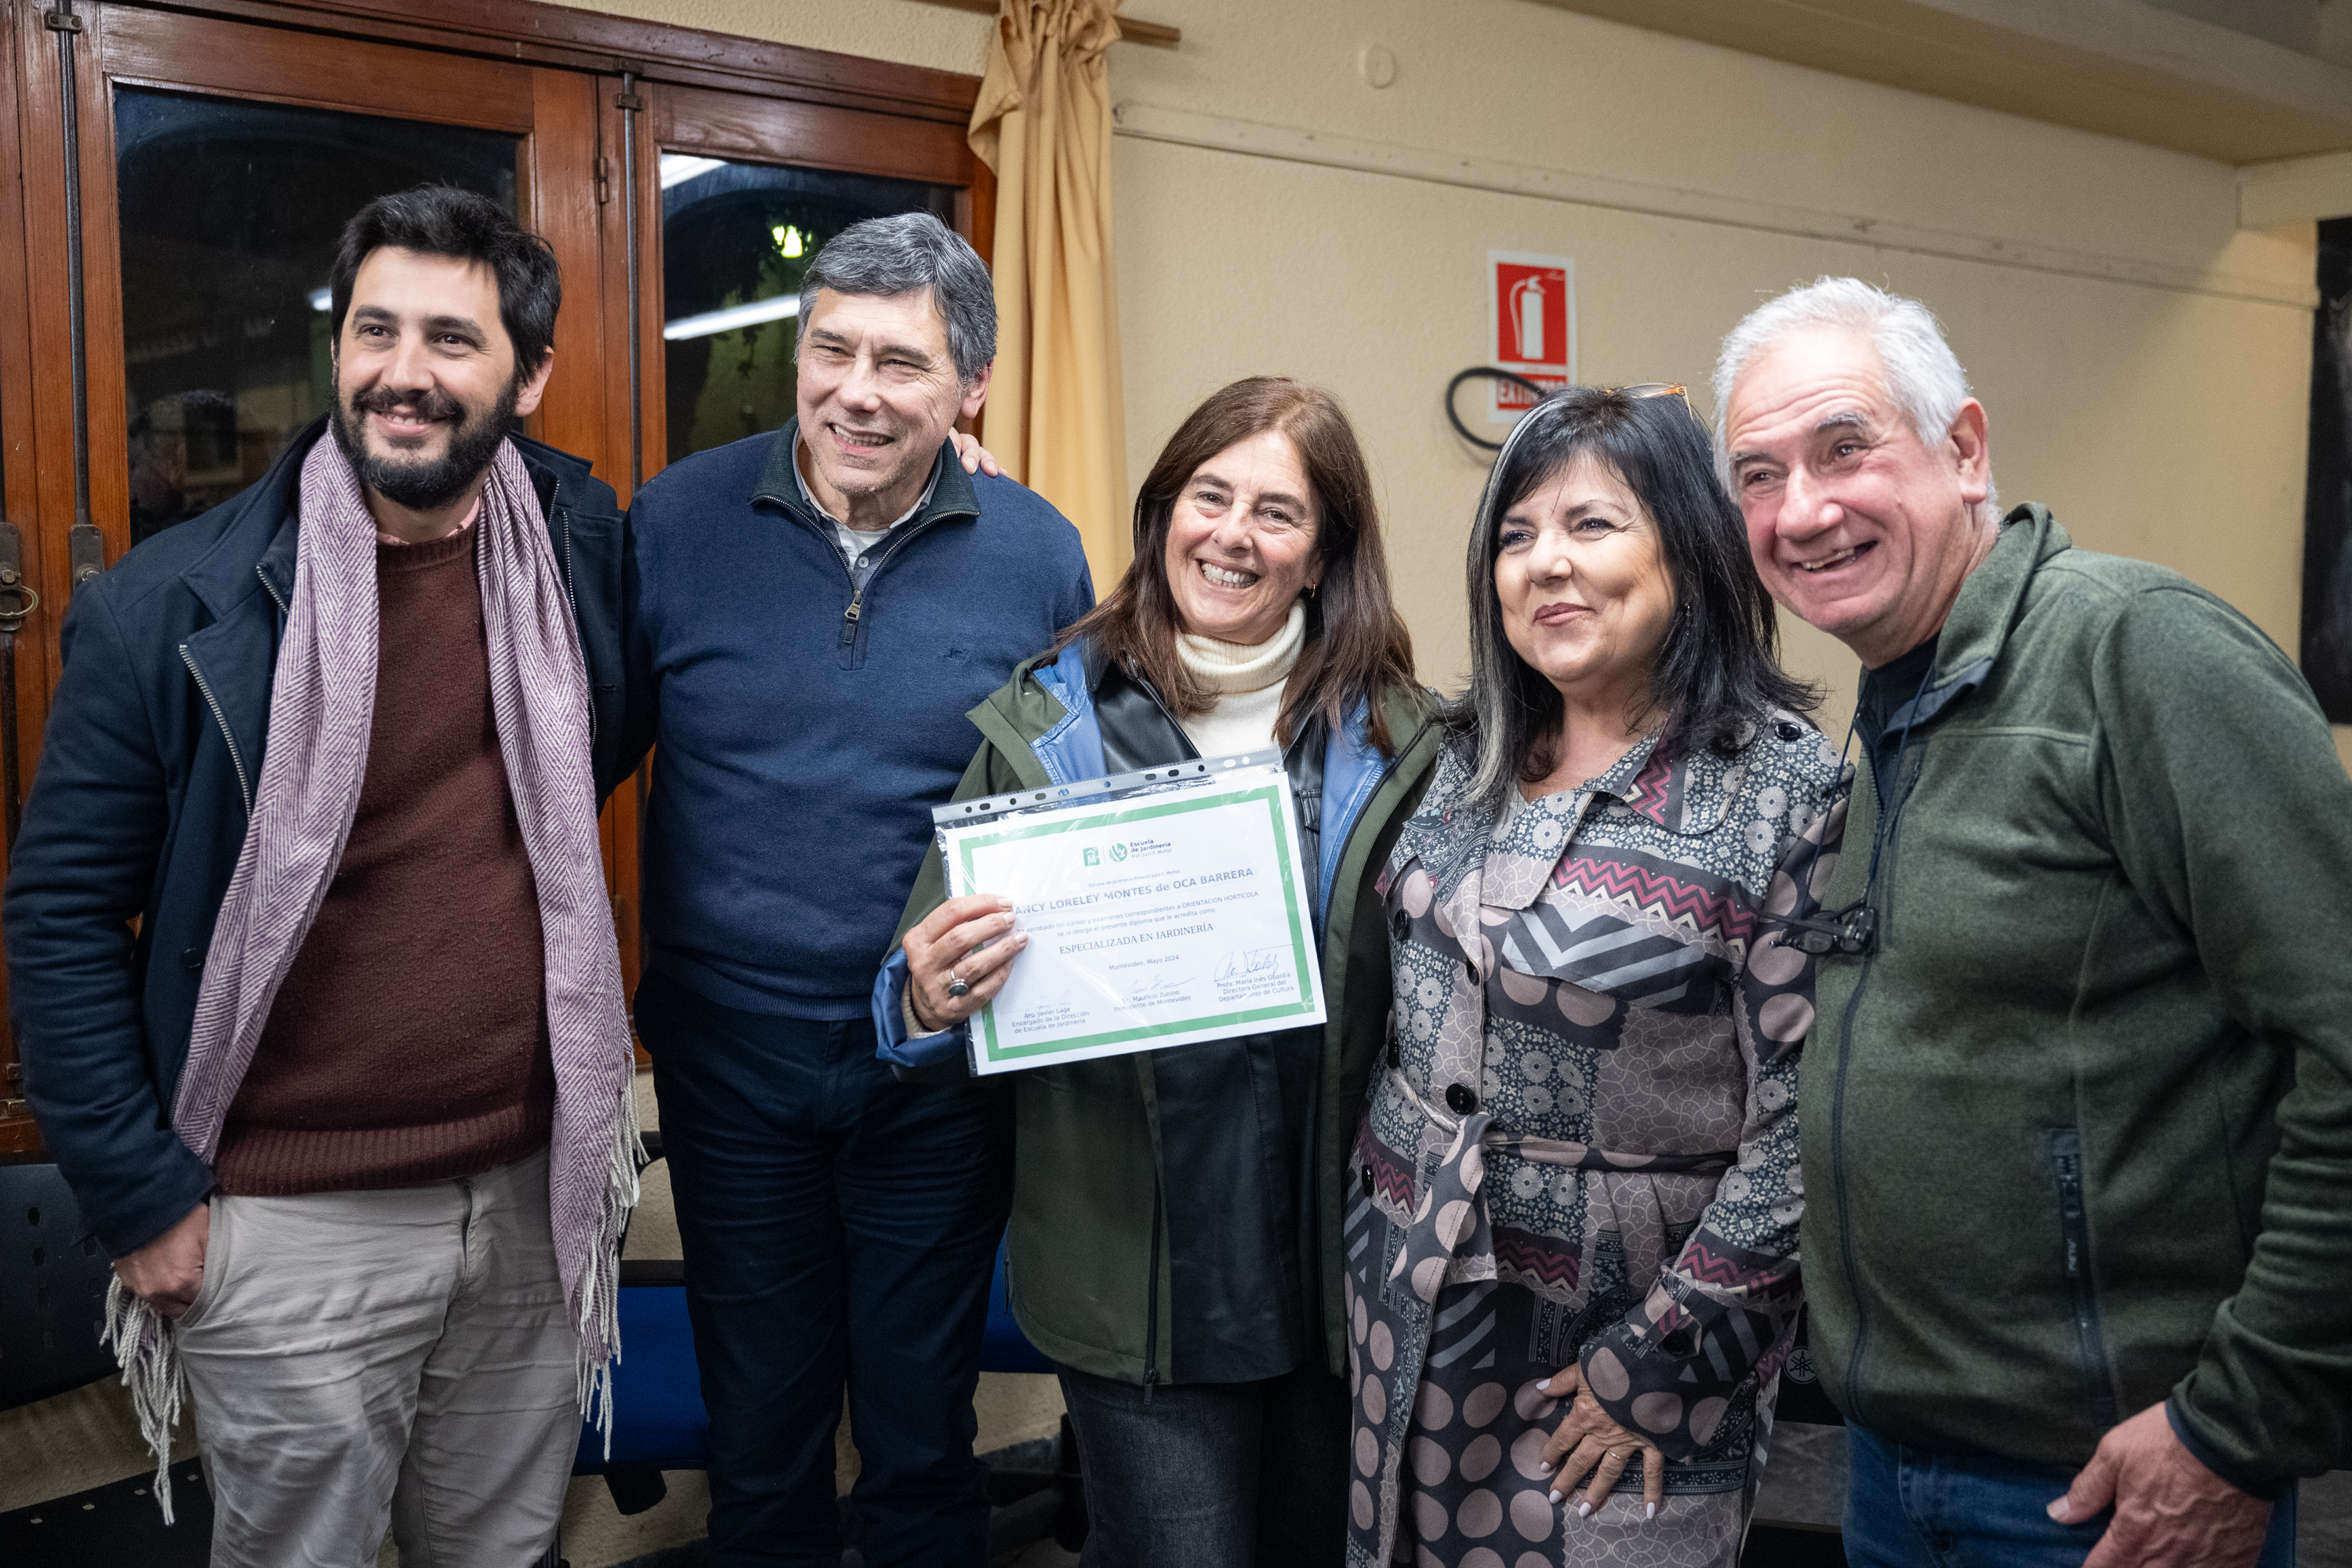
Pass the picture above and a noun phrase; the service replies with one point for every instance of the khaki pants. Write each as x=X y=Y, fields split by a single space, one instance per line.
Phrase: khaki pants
x=404 y=1357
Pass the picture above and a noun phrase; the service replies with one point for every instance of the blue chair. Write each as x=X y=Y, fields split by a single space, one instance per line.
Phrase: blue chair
x=1003 y=1346
x=659 y=1419
x=660 y=1423
x=53 y=1277
x=1027 y=1505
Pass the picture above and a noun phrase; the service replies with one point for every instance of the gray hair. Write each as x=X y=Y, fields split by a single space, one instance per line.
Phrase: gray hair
x=1923 y=376
x=909 y=254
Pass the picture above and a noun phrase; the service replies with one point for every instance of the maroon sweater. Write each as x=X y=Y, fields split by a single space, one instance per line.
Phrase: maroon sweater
x=409 y=1042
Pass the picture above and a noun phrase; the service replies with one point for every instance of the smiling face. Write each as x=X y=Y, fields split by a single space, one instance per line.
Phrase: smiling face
x=425 y=379
x=1855 y=524
x=878 y=394
x=1581 y=580
x=1241 y=541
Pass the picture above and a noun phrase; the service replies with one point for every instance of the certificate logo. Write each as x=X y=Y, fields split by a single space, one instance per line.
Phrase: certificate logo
x=1094 y=857
x=1118 y=851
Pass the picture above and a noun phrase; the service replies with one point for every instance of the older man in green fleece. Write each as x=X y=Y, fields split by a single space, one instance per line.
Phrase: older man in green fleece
x=2078 y=1134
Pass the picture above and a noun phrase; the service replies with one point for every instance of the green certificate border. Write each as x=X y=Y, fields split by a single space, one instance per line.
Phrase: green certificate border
x=1267 y=794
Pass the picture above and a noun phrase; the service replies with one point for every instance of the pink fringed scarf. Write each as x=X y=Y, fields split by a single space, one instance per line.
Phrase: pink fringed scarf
x=321 y=706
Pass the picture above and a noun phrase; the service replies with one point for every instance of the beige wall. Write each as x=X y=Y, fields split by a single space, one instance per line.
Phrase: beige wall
x=2145 y=363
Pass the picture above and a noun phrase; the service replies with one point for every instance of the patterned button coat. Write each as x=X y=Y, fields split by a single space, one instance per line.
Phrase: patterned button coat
x=1585 y=1150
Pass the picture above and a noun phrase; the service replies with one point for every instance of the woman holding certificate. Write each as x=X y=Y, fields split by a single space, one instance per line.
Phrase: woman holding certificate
x=1177 y=1213
x=1577 y=1265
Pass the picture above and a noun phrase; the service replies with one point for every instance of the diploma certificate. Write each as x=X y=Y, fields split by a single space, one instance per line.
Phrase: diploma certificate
x=1156 y=920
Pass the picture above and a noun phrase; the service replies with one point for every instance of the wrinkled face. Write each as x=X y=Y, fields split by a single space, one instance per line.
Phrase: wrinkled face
x=1582 y=581
x=425 y=376
x=1856 y=525
x=877 y=392
x=1241 y=541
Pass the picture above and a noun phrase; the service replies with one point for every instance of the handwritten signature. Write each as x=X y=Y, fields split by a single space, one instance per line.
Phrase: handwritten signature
x=1159 y=989
x=1249 y=960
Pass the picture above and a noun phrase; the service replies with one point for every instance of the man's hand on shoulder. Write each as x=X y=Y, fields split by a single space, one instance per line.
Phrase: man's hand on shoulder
x=975 y=458
x=167 y=1272
x=2170 y=1511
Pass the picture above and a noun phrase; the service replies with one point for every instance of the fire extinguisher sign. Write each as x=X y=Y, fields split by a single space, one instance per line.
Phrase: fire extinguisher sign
x=1531 y=313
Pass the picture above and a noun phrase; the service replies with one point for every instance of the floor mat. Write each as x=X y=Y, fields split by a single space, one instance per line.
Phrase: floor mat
x=118 y=1522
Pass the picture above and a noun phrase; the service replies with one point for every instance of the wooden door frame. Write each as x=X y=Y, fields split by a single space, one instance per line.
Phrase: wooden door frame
x=526 y=32
x=570 y=56
x=20 y=496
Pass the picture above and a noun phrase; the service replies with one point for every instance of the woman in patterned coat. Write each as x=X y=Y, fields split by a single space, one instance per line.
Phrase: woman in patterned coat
x=1576 y=1251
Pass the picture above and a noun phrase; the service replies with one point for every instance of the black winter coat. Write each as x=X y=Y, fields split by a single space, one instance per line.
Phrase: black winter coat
x=147 y=775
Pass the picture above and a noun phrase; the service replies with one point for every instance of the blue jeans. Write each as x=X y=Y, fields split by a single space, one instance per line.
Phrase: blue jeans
x=1910 y=1509
x=839 y=1227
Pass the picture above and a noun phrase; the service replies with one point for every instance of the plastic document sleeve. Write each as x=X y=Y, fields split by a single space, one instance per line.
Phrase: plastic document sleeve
x=1162 y=908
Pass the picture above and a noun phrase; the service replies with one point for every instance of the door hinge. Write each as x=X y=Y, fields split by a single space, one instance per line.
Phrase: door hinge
x=604 y=180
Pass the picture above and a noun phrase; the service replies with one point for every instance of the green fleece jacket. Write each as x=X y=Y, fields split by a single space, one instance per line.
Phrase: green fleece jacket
x=1087 y=1153
x=2078 y=1132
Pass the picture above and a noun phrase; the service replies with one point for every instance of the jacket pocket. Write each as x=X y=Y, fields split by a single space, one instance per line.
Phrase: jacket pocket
x=2082 y=1288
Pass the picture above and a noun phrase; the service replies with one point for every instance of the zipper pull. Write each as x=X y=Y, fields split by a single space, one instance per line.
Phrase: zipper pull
x=849 y=624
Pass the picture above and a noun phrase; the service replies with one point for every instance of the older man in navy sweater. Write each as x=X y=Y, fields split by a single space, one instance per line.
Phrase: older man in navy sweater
x=812 y=614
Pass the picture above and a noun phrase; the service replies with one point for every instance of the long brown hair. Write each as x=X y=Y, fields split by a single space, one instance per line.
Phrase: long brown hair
x=1356 y=644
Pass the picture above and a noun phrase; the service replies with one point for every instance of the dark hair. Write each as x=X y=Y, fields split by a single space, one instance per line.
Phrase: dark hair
x=1356 y=644
x=908 y=253
x=446 y=220
x=1717 y=667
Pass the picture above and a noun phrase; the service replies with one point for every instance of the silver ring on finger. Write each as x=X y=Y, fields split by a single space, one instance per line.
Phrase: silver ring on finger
x=958 y=987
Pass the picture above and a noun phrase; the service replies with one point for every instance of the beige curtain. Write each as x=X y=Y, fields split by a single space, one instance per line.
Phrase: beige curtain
x=1043 y=123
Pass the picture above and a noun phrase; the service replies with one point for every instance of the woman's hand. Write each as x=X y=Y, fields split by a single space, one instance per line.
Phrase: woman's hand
x=944 y=946
x=975 y=458
x=1592 y=1442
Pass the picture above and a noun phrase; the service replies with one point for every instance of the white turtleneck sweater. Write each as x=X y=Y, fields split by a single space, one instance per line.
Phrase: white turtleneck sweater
x=1248 y=681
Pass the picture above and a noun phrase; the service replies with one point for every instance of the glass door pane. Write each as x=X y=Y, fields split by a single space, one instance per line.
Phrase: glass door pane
x=737 y=238
x=230 y=211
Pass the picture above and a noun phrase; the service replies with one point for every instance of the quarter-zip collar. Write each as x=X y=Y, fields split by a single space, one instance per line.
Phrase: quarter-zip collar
x=808 y=502
x=952 y=497
x=953 y=494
